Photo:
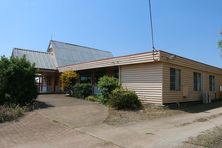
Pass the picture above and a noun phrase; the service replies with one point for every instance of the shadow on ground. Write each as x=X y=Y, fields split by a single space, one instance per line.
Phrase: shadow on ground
x=196 y=107
x=40 y=105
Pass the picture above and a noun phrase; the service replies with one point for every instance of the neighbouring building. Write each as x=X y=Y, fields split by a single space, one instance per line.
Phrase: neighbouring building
x=157 y=77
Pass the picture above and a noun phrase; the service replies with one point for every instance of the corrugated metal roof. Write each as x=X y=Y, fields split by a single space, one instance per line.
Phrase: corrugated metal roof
x=67 y=54
x=42 y=60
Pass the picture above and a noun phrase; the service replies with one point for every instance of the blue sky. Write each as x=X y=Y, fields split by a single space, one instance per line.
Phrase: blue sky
x=189 y=28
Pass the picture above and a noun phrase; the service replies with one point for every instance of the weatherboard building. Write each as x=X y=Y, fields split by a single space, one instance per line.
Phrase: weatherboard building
x=157 y=76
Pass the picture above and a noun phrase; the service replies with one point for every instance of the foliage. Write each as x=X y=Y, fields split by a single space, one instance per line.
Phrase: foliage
x=82 y=90
x=68 y=79
x=17 y=81
x=106 y=85
x=220 y=42
x=98 y=98
x=92 y=98
x=124 y=99
x=12 y=112
x=102 y=99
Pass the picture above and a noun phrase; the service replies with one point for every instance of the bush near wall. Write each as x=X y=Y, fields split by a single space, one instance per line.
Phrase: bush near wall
x=82 y=90
x=67 y=80
x=106 y=85
x=17 y=81
x=124 y=99
x=92 y=98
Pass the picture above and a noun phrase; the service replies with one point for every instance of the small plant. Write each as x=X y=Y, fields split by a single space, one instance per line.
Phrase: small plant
x=97 y=98
x=68 y=79
x=12 y=112
x=82 y=90
x=92 y=98
x=124 y=99
x=106 y=85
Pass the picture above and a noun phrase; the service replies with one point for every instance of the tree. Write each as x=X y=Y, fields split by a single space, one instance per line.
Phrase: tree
x=17 y=81
x=220 y=42
x=68 y=79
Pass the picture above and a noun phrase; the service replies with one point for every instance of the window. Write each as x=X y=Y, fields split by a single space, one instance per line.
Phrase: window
x=85 y=78
x=175 y=79
x=196 y=81
x=212 y=83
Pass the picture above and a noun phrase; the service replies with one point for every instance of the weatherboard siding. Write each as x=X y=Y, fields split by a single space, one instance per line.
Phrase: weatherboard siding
x=171 y=96
x=145 y=80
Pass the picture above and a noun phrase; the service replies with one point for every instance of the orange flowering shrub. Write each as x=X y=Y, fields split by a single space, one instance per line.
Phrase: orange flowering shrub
x=68 y=79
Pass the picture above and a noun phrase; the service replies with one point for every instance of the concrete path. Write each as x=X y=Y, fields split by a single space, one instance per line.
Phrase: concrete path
x=67 y=122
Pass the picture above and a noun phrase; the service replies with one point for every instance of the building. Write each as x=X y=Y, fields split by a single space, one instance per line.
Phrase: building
x=157 y=76
x=58 y=54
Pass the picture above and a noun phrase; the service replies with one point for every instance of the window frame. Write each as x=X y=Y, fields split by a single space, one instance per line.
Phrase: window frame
x=197 y=81
x=85 y=78
x=212 y=83
x=175 y=79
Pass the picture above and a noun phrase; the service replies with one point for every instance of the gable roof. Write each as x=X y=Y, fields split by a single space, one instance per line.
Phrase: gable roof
x=66 y=53
x=42 y=60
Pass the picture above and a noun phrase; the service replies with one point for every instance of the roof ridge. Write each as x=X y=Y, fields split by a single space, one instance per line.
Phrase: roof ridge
x=29 y=50
x=80 y=46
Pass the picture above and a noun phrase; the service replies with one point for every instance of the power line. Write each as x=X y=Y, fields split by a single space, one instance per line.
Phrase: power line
x=151 y=24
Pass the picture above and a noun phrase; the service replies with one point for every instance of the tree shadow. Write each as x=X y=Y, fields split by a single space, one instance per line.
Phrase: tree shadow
x=40 y=105
x=196 y=107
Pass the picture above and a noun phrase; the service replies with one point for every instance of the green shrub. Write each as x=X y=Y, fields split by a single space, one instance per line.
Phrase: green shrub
x=102 y=99
x=12 y=112
x=97 y=98
x=82 y=90
x=124 y=99
x=92 y=98
x=106 y=85
x=17 y=81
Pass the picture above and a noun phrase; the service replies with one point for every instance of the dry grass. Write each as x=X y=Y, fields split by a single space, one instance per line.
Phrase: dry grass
x=118 y=117
x=211 y=138
x=12 y=112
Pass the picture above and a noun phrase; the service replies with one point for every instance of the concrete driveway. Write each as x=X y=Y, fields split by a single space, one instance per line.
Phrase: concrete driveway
x=69 y=122
x=72 y=112
x=54 y=126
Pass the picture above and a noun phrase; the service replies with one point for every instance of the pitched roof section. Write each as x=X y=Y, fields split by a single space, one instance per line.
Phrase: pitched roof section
x=66 y=54
x=42 y=60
